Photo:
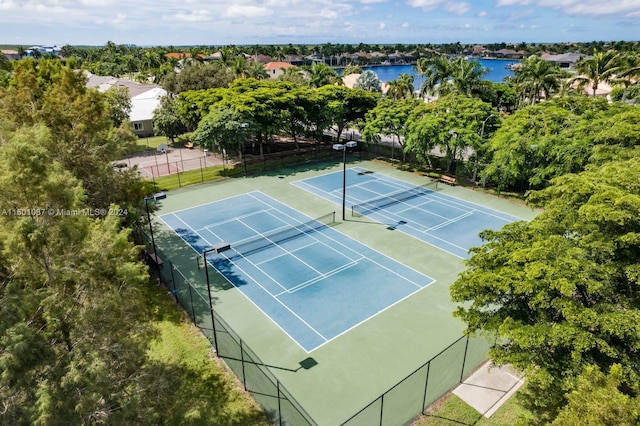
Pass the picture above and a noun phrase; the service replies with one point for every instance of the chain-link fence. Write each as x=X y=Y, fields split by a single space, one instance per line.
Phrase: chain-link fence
x=396 y=406
x=266 y=389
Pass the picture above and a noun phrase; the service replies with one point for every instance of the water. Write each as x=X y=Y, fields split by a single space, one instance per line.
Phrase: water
x=497 y=71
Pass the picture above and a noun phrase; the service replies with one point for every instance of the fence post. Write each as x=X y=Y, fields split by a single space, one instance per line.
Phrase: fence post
x=279 y=409
x=244 y=377
x=466 y=346
x=179 y=183
x=201 y=171
x=193 y=312
x=381 y=408
x=426 y=385
x=173 y=282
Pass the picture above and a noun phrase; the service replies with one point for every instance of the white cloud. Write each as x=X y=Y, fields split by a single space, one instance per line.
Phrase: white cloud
x=425 y=5
x=405 y=25
x=619 y=8
x=237 y=11
x=458 y=8
x=329 y=14
x=382 y=26
x=482 y=14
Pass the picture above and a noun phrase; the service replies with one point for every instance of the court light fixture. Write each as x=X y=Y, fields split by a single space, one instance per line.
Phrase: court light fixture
x=343 y=148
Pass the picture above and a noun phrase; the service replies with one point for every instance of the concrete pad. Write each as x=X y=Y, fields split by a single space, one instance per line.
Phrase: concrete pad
x=489 y=387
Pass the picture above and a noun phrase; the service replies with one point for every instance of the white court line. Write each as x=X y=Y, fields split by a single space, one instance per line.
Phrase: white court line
x=233 y=219
x=378 y=264
x=216 y=201
x=319 y=278
x=249 y=298
x=277 y=300
x=450 y=221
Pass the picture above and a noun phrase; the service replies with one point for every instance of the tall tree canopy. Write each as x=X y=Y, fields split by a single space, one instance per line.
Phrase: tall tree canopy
x=562 y=292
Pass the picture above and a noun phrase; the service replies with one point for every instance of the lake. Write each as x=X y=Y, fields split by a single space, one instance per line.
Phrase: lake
x=497 y=71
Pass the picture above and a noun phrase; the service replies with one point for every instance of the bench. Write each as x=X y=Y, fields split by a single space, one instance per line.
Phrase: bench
x=448 y=180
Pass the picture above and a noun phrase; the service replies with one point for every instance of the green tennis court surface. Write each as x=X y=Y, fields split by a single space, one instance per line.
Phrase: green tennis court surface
x=354 y=368
x=312 y=281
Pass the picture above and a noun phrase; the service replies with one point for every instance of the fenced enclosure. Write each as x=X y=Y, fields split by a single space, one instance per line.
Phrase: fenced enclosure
x=396 y=406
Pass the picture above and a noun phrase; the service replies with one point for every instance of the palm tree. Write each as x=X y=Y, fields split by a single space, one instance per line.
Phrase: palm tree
x=321 y=74
x=256 y=70
x=536 y=77
x=436 y=71
x=465 y=77
x=402 y=88
x=600 y=68
x=629 y=72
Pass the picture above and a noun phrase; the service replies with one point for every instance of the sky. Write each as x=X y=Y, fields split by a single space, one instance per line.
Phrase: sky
x=224 y=22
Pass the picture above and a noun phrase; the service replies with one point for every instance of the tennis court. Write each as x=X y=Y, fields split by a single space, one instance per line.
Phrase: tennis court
x=312 y=281
x=422 y=212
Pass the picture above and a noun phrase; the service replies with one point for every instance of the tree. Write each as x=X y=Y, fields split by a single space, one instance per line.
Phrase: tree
x=561 y=293
x=436 y=70
x=293 y=75
x=389 y=118
x=352 y=69
x=402 y=88
x=321 y=75
x=368 y=81
x=166 y=120
x=198 y=77
x=536 y=78
x=119 y=103
x=5 y=64
x=346 y=106
x=601 y=67
x=223 y=128
x=74 y=278
x=451 y=123
x=598 y=400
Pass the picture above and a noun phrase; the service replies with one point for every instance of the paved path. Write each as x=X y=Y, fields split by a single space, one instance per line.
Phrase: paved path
x=489 y=387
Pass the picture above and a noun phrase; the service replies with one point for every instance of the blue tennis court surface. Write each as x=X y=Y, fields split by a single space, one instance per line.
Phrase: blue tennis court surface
x=446 y=222
x=314 y=282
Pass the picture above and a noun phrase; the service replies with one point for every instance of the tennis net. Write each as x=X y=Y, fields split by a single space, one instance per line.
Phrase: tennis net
x=391 y=199
x=264 y=241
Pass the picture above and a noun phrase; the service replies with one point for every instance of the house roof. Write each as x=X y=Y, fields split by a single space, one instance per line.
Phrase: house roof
x=277 y=65
x=104 y=83
x=144 y=104
x=181 y=55
x=569 y=57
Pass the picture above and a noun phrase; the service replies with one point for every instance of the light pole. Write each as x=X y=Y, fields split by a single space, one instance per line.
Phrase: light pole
x=153 y=241
x=213 y=320
x=244 y=138
x=343 y=148
x=475 y=169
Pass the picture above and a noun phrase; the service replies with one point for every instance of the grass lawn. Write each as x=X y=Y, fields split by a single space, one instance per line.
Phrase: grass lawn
x=204 y=392
x=149 y=144
x=452 y=411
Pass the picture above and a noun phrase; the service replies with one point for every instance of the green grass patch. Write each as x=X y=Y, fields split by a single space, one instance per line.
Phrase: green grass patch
x=202 y=390
x=190 y=177
x=451 y=411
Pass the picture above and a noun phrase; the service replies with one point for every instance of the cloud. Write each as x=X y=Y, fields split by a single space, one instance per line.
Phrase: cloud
x=238 y=11
x=620 y=8
x=458 y=8
x=382 y=26
x=425 y=5
x=482 y=14
x=405 y=25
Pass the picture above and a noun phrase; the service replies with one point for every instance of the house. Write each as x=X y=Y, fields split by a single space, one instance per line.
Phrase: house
x=11 y=55
x=276 y=69
x=145 y=99
x=142 y=108
x=566 y=60
x=510 y=54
